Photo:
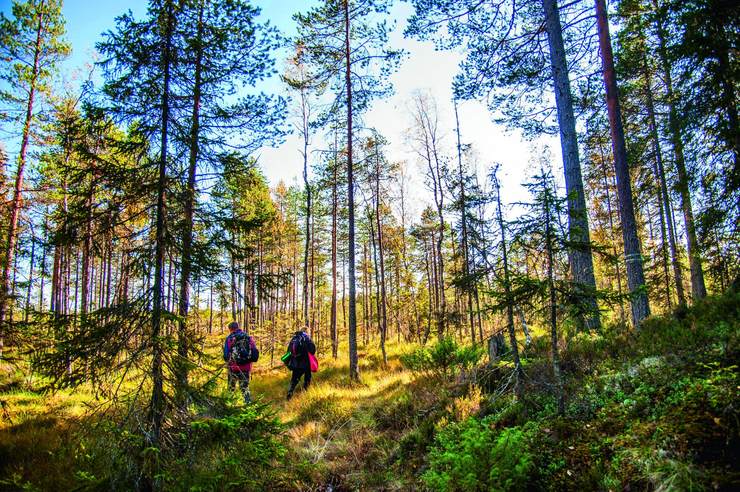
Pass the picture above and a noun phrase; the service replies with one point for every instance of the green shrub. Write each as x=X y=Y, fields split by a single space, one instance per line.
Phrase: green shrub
x=444 y=358
x=713 y=324
x=235 y=450
x=471 y=456
x=417 y=361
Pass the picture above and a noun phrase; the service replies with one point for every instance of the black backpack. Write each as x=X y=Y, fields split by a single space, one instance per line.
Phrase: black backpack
x=241 y=350
x=297 y=345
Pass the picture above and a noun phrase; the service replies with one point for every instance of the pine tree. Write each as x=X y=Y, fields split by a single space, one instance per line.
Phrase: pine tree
x=505 y=63
x=508 y=298
x=31 y=45
x=228 y=48
x=632 y=250
x=345 y=42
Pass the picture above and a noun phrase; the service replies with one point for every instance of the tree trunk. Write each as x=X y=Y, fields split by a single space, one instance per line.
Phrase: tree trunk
x=44 y=253
x=660 y=172
x=354 y=373
x=86 y=252
x=376 y=271
x=333 y=320
x=181 y=367
x=464 y=224
x=698 y=289
x=366 y=288
x=27 y=311
x=553 y=307
x=383 y=299
x=580 y=256
x=307 y=187
x=518 y=372
x=632 y=253
x=17 y=202
x=157 y=402
x=612 y=231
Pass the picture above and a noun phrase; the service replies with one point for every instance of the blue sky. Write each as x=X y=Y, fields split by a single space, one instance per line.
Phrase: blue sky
x=423 y=69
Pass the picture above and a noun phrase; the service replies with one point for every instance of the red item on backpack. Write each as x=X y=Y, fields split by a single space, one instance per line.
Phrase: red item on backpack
x=313 y=362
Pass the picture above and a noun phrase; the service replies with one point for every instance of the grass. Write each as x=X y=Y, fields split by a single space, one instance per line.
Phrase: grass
x=330 y=427
x=649 y=410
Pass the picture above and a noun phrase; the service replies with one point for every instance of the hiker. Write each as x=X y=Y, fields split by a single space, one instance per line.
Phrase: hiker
x=299 y=347
x=239 y=353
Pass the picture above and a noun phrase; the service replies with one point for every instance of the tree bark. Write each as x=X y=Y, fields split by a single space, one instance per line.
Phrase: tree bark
x=580 y=256
x=632 y=253
x=354 y=372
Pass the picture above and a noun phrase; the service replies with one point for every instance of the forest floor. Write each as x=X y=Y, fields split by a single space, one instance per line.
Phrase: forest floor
x=329 y=429
x=657 y=409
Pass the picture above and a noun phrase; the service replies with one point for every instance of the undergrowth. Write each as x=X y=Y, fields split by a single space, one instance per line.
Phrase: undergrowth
x=654 y=409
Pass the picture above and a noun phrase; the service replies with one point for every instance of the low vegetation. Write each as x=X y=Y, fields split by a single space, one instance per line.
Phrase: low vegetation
x=654 y=409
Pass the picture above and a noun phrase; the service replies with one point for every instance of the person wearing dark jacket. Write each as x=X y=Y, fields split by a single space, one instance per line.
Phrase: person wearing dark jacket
x=238 y=372
x=299 y=347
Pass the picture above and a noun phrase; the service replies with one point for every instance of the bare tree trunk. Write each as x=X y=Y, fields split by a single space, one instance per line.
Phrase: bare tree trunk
x=305 y=116
x=234 y=288
x=44 y=253
x=109 y=278
x=86 y=253
x=312 y=283
x=376 y=272
x=333 y=314
x=366 y=288
x=663 y=242
x=632 y=253
x=430 y=282
x=383 y=299
x=580 y=256
x=27 y=311
x=354 y=370
x=56 y=281
x=210 y=309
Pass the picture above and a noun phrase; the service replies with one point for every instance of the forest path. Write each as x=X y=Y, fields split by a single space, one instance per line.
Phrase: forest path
x=334 y=424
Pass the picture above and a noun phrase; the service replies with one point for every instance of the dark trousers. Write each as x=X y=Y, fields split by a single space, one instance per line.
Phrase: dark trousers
x=243 y=378
x=296 y=377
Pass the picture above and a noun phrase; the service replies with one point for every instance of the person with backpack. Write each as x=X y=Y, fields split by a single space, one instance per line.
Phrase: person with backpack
x=240 y=352
x=299 y=347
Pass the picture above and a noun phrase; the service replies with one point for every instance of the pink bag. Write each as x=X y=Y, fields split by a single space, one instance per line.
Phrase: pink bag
x=313 y=362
